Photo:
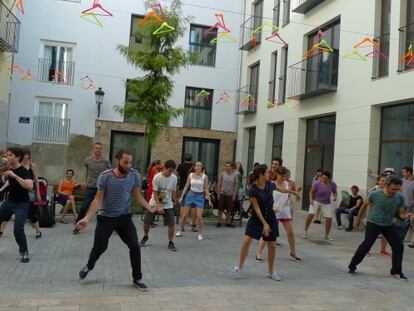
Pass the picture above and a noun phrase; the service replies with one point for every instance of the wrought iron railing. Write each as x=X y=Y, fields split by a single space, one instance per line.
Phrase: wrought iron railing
x=53 y=71
x=304 y=6
x=51 y=129
x=380 y=56
x=249 y=39
x=315 y=75
x=406 y=54
x=9 y=30
x=247 y=99
x=276 y=14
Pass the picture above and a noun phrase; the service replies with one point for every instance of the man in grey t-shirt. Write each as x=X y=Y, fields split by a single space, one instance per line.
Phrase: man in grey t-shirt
x=226 y=193
x=94 y=165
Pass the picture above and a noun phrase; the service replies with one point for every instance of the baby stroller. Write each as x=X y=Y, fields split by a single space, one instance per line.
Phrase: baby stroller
x=46 y=210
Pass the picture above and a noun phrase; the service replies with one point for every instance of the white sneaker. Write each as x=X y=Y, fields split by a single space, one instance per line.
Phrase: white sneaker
x=305 y=235
x=178 y=233
x=329 y=238
x=274 y=276
x=340 y=227
x=200 y=237
x=235 y=272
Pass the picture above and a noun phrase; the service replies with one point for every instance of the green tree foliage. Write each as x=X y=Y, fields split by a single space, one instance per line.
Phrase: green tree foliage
x=158 y=58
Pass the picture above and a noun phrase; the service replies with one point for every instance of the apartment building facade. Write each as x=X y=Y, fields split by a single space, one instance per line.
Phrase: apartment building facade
x=331 y=89
x=9 y=44
x=69 y=56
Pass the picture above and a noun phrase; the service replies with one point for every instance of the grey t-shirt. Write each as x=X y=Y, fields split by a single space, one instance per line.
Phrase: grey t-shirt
x=95 y=168
x=117 y=192
x=384 y=208
x=164 y=186
x=228 y=182
x=407 y=190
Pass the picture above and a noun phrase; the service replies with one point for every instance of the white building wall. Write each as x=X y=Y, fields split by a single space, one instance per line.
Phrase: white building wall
x=356 y=103
x=96 y=55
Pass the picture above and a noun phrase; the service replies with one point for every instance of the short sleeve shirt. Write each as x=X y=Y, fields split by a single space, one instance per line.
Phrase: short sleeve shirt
x=164 y=187
x=323 y=193
x=228 y=182
x=264 y=198
x=95 y=168
x=183 y=170
x=117 y=192
x=17 y=193
x=384 y=208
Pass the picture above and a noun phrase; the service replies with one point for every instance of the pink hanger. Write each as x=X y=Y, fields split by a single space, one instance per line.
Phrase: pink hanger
x=214 y=29
x=319 y=35
x=159 y=7
x=20 y=7
x=220 y=18
x=378 y=53
x=97 y=5
x=276 y=34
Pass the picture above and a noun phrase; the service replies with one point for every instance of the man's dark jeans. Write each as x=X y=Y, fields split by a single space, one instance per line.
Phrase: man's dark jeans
x=394 y=239
x=87 y=200
x=20 y=211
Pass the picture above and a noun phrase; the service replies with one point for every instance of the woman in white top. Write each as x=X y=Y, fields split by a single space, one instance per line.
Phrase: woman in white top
x=195 y=192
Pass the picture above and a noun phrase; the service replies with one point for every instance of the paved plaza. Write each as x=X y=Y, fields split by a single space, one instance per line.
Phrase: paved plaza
x=197 y=276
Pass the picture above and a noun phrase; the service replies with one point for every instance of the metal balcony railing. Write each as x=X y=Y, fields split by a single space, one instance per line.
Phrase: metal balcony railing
x=247 y=99
x=276 y=15
x=380 y=56
x=304 y=6
x=53 y=71
x=9 y=30
x=249 y=39
x=406 y=59
x=51 y=129
x=277 y=91
x=313 y=76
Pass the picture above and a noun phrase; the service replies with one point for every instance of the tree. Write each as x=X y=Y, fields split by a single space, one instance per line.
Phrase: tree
x=159 y=59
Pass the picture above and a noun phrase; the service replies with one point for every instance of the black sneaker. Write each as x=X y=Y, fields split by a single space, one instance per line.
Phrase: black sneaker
x=84 y=272
x=154 y=225
x=351 y=271
x=25 y=257
x=317 y=222
x=171 y=246
x=143 y=241
x=194 y=228
x=38 y=235
x=141 y=286
x=348 y=229
x=1 y=233
x=411 y=245
x=230 y=225
x=400 y=276
x=218 y=225
x=75 y=231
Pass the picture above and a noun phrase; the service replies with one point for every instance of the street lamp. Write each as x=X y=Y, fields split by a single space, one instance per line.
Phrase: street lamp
x=99 y=96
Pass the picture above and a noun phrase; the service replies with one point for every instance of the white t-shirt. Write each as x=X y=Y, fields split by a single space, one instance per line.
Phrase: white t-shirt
x=164 y=186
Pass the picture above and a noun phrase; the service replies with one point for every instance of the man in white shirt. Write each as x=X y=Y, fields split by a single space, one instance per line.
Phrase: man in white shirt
x=164 y=195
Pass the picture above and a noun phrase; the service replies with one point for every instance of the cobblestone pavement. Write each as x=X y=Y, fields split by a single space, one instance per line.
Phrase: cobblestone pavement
x=197 y=276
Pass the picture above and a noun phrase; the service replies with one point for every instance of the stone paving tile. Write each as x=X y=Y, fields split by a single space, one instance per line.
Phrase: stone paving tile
x=197 y=276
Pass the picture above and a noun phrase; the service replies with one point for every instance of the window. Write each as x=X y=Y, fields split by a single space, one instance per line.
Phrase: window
x=129 y=100
x=397 y=137
x=286 y=12
x=322 y=68
x=56 y=64
x=135 y=39
x=276 y=13
x=51 y=122
x=258 y=18
x=254 y=81
x=381 y=64
x=200 y=44
x=133 y=142
x=283 y=75
x=250 y=149
x=198 y=108
x=407 y=36
x=277 y=143
x=204 y=150
x=273 y=78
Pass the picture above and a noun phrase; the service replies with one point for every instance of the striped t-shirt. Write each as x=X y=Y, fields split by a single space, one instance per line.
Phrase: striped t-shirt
x=117 y=192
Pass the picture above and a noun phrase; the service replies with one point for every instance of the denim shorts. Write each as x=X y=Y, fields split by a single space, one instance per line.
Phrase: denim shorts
x=195 y=199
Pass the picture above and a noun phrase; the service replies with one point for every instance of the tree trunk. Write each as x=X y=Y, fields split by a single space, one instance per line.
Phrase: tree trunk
x=144 y=150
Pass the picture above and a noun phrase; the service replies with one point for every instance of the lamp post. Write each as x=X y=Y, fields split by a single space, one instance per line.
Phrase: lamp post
x=99 y=96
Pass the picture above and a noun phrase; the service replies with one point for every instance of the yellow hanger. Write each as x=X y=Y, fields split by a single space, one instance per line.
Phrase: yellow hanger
x=164 y=28
x=224 y=35
x=268 y=24
x=355 y=55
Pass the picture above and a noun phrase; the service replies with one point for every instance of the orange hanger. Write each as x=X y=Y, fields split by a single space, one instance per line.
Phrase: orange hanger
x=366 y=40
x=58 y=75
x=150 y=19
x=16 y=68
x=96 y=6
x=315 y=47
x=28 y=76
x=254 y=42
x=19 y=6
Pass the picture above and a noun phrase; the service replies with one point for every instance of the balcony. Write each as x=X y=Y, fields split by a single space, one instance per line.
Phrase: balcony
x=52 y=71
x=406 y=54
x=380 y=56
x=51 y=129
x=276 y=91
x=313 y=76
x=247 y=99
x=304 y=6
x=249 y=40
x=9 y=30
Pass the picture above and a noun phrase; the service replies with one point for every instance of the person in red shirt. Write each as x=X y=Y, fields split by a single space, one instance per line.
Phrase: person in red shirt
x=155 y=167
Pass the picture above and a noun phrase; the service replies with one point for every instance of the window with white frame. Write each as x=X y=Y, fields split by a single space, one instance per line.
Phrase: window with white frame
x=56 y=63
